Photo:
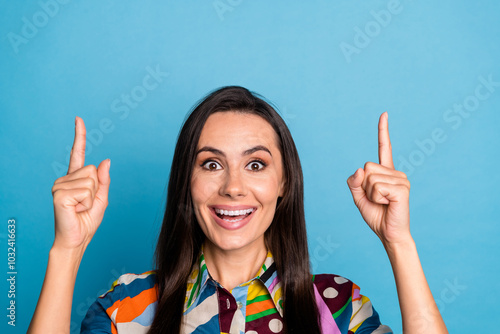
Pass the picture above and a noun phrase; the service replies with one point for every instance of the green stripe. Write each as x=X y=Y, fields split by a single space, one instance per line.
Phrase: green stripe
x=258 y=299
x=339 y=312
x=260 y=315
x=195 y=286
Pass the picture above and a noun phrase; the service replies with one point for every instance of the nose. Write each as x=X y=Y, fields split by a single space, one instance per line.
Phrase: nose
x=233 y=184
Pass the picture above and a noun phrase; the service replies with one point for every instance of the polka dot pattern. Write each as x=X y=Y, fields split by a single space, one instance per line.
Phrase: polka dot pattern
x=275 y=325
x=340 y=280
x=330 y=293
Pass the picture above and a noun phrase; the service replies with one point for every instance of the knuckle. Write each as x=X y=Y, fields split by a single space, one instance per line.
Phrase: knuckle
x=60 y=179
x=405 y=191
x=90 y=183
x=88 y=168
x=369 y=167
x=403 y=187
x=57 y=195
x=92 y=170
x=369 y=180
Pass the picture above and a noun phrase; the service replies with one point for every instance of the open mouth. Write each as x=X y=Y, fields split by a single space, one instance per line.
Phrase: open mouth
x=233 y=216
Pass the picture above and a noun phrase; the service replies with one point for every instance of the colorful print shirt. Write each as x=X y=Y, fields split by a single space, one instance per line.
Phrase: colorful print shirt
x=254 y=307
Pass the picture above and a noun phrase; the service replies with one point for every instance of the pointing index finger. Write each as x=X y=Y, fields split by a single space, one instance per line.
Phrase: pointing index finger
x=77 y=157
x=384 y=142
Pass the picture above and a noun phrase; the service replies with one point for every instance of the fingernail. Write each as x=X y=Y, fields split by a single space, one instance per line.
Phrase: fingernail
x=109 y=163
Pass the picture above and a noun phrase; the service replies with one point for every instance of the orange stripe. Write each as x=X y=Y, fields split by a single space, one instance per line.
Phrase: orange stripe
x=113 y=329
x=131 y=308
x=258 y=307
x=113 y=307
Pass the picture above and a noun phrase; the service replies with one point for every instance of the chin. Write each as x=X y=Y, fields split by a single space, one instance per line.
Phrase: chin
x=231 y=244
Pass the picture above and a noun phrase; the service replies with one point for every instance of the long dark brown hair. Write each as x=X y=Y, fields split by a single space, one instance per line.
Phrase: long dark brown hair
x=181 y=237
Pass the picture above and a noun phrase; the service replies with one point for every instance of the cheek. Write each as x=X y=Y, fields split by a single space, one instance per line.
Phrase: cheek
x=202 y=189
x=266 y=191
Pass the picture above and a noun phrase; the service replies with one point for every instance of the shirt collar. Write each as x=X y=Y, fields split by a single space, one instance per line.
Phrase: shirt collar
x=268 y=275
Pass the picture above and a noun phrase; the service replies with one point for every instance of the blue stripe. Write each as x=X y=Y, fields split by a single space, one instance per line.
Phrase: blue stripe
x=146 y=318
x=207 y=290
x=210 y=327
x=131 y=290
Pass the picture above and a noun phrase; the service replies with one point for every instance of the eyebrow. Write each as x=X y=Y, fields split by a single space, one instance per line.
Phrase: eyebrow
x=246 y=152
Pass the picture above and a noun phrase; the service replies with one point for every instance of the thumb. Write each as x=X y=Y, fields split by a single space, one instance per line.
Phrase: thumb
x=355 y=182
x=101 y=197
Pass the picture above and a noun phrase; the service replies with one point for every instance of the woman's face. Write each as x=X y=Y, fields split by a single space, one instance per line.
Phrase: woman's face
x=236 y=180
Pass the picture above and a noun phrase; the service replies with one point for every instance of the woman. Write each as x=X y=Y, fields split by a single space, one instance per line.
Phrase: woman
x=232 y=252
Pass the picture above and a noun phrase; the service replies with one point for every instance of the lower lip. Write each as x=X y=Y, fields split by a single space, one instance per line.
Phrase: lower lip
x=231 y=225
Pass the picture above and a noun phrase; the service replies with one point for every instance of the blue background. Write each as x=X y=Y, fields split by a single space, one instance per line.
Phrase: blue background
x=330 y=82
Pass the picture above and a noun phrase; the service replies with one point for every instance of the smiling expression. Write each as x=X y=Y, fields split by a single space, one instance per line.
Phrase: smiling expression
x=236 y=180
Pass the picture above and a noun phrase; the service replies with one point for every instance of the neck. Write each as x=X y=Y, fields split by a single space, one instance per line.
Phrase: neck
x=234 y=267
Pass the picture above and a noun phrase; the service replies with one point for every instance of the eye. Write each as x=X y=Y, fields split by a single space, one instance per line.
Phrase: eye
x=257 y=165
x=211 y=165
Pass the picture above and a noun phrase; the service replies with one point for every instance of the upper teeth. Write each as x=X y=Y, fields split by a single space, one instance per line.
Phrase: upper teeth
x=233 y=213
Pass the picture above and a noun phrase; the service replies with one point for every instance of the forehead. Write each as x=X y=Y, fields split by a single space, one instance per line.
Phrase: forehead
x=237 y=130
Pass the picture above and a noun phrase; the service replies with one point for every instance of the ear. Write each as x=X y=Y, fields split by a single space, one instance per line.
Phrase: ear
x=282 y=188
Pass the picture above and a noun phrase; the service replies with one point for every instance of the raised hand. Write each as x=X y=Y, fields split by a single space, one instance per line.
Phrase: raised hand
x=80 y=197
x=382 y=193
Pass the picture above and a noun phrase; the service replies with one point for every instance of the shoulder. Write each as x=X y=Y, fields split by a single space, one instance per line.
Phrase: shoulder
x=349 y=308
x=130 y=282
x=335 y=291
x=338 y=296
x=133 y=283
x=130 y=297
x=130 y=288
x=334 y=286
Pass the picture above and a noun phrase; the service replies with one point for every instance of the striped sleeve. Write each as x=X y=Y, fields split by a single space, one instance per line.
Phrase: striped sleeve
x=343 y=309
x=129 y=304
x=364 y=318
x=97 y=319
